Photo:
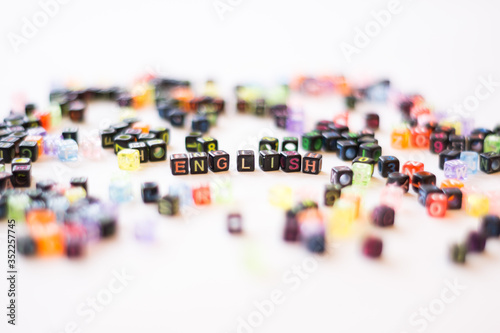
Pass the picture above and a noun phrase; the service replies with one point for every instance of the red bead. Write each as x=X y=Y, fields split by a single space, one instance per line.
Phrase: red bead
x=436 y=204
x=411 y=167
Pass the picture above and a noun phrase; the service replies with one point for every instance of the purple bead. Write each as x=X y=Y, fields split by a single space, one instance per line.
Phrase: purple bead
x=372 y=247
x=291 y=232
x=145 y=229
x=295 y=123
x=51 y=144
x=476 y=242
x=383 y=216
x=234 y=223
x=455 y=169
x=37 y=131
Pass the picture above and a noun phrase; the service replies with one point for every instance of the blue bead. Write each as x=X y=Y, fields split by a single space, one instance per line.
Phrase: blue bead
x=472 y=160
x=184 y=192
x=120 y=188
x=67 y=150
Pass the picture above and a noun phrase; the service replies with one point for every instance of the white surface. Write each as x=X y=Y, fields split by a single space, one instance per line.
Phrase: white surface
x=198 y=278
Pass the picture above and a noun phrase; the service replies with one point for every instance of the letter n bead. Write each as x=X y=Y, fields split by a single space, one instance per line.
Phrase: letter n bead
x=218 y=161
x=436 y=204
x=290 y=161
x=411 y=167
x=245 y=161
x=312 y=163
x=198 y=163
x=179 y=164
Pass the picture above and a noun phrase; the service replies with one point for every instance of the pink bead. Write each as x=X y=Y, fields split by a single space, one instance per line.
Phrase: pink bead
x=90 y=147
x=494 y=197
x=392 y=196
x=436 y=204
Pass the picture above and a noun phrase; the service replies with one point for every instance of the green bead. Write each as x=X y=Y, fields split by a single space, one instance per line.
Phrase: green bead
x=362 y=174
x=312 y=141
x=458 y=253
x=16 y=207
x=55 y=114
x=492 y=143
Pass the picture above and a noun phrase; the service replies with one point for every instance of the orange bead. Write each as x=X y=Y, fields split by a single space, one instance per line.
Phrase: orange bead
x=39 y=140
x=49 y=238
x=451 y=183
x=201 y=195
x=410 y=167
x=419 y=137
x=355 y=198
x=44 y=117
x=141 y=126
x=42 y=216
x=399 y=138
x=184 y=96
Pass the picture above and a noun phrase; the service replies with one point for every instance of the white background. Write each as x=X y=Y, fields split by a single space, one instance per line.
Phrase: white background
x=196 y=277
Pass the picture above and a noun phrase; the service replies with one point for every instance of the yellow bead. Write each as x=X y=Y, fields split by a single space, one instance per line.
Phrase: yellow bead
x=354 y=196
x=477 y=205
x=128 y=159
x=74 y=194
x=281 y=196
x=342 y=218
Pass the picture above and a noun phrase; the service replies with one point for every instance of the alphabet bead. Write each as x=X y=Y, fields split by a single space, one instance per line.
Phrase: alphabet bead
x=157 y=150
x=472 y=160
x=400 y=137
x=438 y=142
x=312 y=163
x=341 y=175
x=269 y=160
x=492 y=143
x=290 y=161
x=454 y=196
x=399 y=179
x=128 y=159
x=201 y=195
x=207 y=144
x=290 y=143
x=489 y=162
x=458 y=253
x=218 y=161
x=447 y=155
x=410 y=167
x=191 y=141
x=332 y=193
x=67 y=150
x=422 y=177
x=142 y=149
x=179 y=164
x=490 y=225
x=268 y=143
x=455 y=169
x=245 y=161
x=436 y=204
x=371 y=150
x=330 y=140
x=387 y=165
x=198 y=163
x=383 y=216
x=347 y=150
x=312 y=141
x=477 y=204
x=168 y=205
x=29 y=149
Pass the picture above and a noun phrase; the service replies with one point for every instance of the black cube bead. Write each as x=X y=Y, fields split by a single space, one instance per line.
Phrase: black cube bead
x=454 y=195
x=218 y=161
x=120 y=127
x=341 y=175
x=198 y=163
x=29 y=149
x=245 y=161
x=191 y=141
x=268 y=143
x=425 y=191
x=207 y=144
x=70 y=133
x=400 y=180
x=157 y=150
x=143 y=150
x=179 y=164
x=476 y=241
x=489 y=162
x=330 y=140
x=290 y=161
x=5 y=181
x=347 y=150
x=371 y=150
x=490 y=225
x=107 y=137
x=438 y=142
x=332 y=193
x=21 y=175
x=421 y=178
x=387 y=165
x=456 y=142
x=312 y=163
x=168 y=205
x=144 y=137
x=290 y=143
x=475 y=142
x=76 y=111
x=26 y=245
x=149 y=192
x=81 y=181
x=312 y=141
x=177 y=118
x=269 y=160
x=122 y=141
x=161 y=133
x=200 y=124
x=7 y=151
x=134 y=132
x=448 y=155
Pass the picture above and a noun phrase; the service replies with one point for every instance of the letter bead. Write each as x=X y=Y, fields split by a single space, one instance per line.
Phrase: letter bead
x=269 y=160
x=341 y=175
x=311 y=163
x=436 y=204
x=218 y=161
x=157 y=150
x=291 y=161
x=179 y=164
x=128 y=159
x=198 y=163
x=400 y=180
x=245 y=160
x=387 y=165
